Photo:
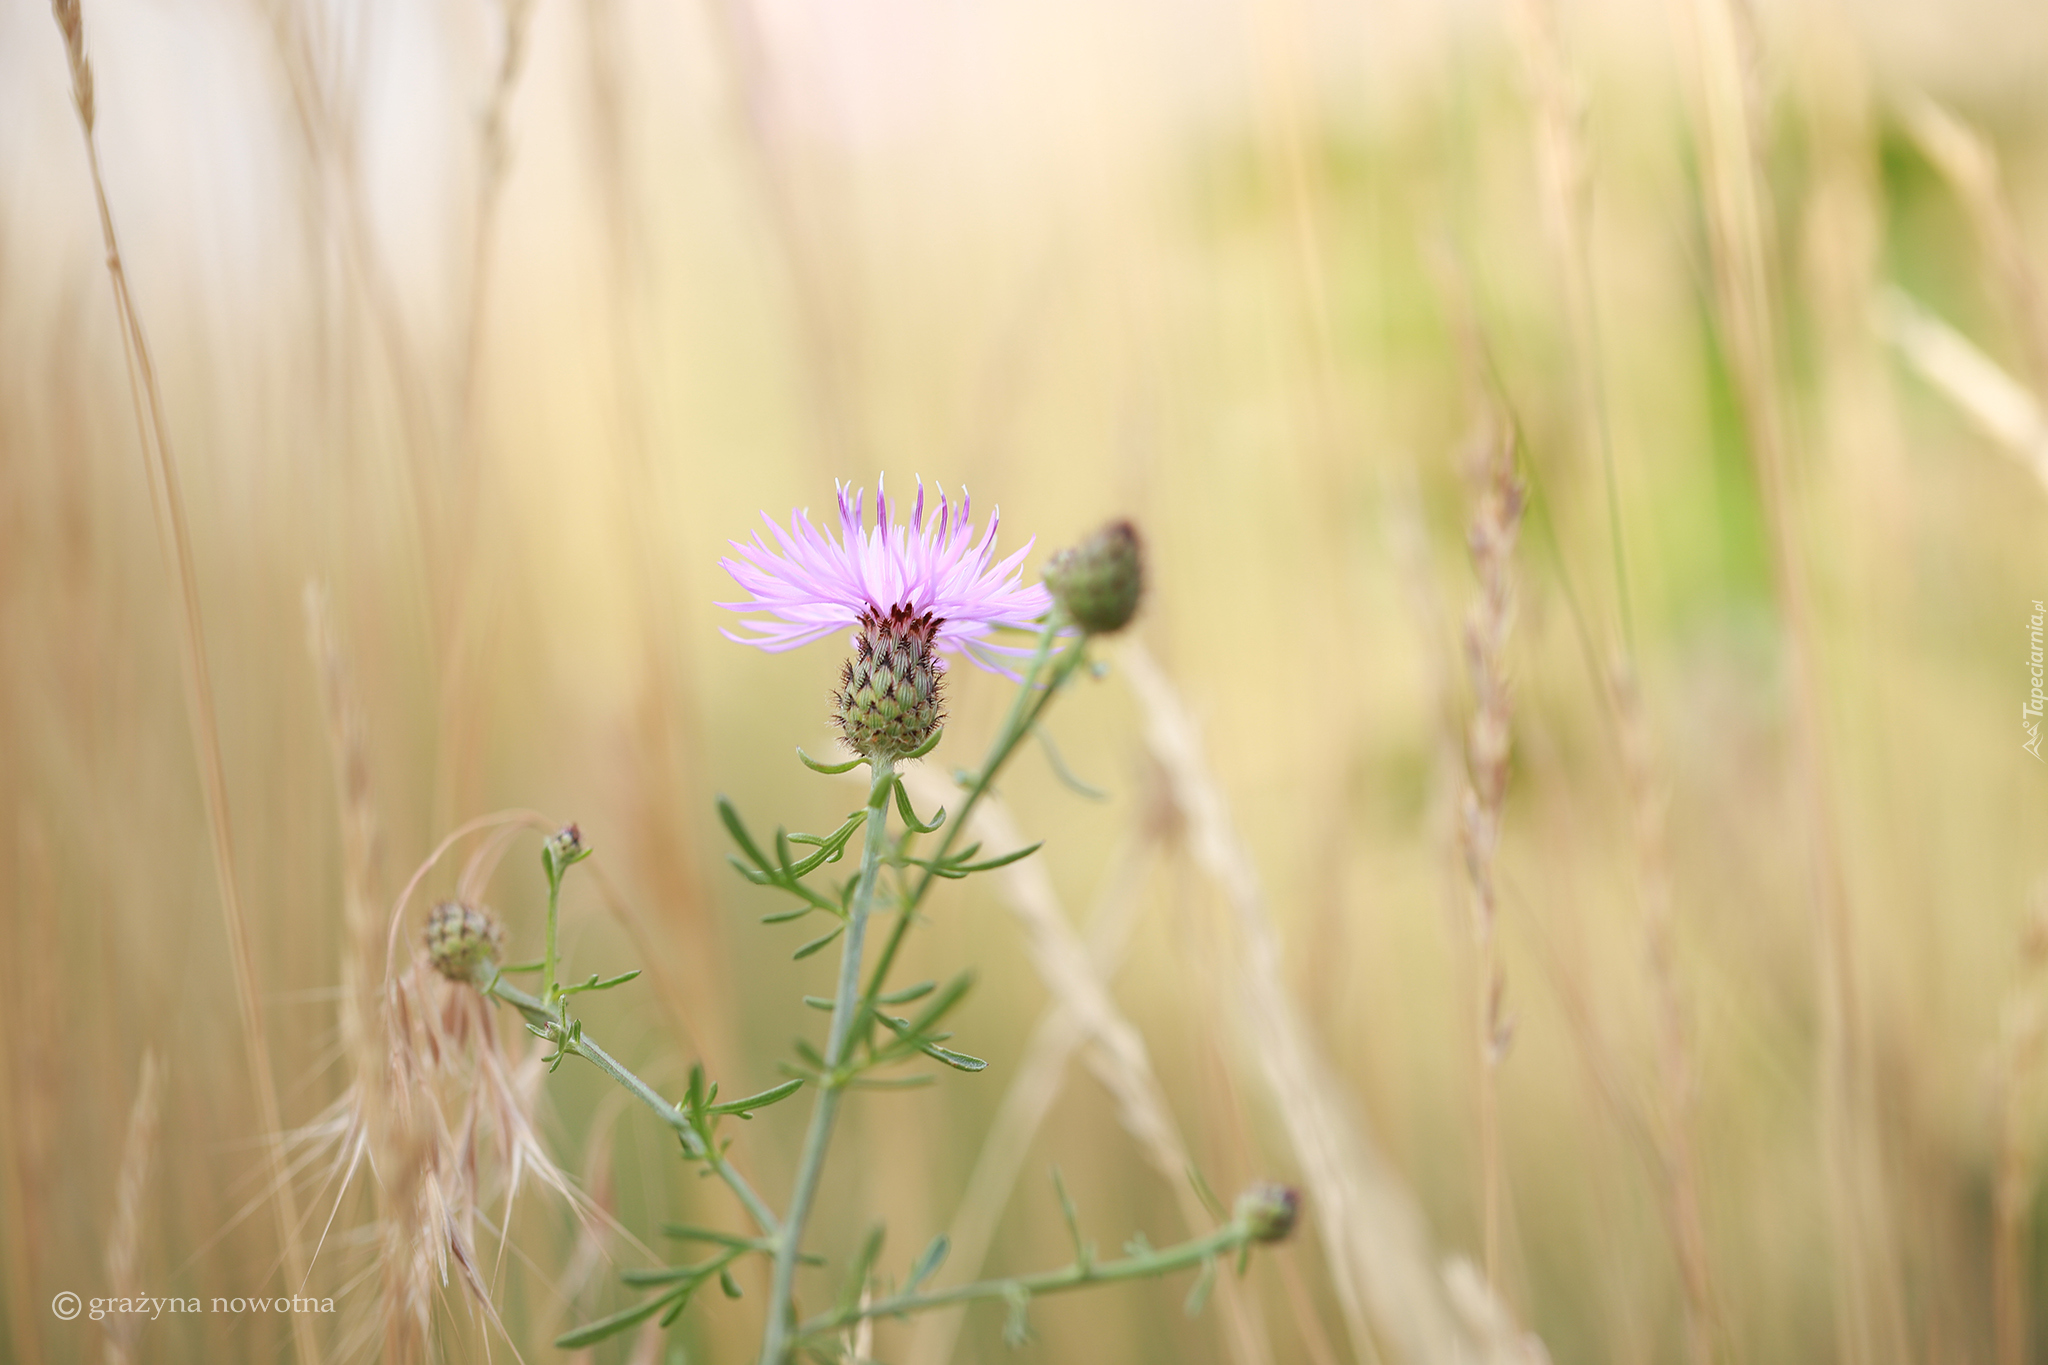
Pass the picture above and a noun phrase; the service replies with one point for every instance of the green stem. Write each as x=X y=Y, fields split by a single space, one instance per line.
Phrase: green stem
x=846 y=1004
x=693 y=1142
x=547 y=962
x=1024 y=712
x=1226 y=1240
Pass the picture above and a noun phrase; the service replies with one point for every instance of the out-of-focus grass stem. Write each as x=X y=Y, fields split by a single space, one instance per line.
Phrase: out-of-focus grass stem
x=153 y=431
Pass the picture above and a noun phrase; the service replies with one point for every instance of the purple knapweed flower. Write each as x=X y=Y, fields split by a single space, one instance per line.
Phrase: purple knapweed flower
x=810 y=584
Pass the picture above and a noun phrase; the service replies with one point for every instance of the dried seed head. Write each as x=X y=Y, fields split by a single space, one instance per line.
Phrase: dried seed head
x=1098 y=582
x=463 y=941
x=1269 y=1210
x=888 y=700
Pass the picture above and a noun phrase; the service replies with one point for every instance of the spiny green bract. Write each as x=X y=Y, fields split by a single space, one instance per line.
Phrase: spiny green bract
x=888 y=698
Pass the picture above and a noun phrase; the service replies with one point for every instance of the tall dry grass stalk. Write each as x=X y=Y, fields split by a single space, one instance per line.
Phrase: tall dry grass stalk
x=1372 y=1231
x=1970 y=166
x=1672 y=1125
x=1116 y=1050
x=1564 y=163
x=1038 y=1080
x=2022 y=1038
x=1729 y=119
x=1999 y=405
x=823 y=318
x=124 y=1235
x=1496 y=520
x=314 y=51
x=668 y=765
x=174 y=532
x=31 y=1067
x=472 y=585
x=2006 y=410
x=362 y=968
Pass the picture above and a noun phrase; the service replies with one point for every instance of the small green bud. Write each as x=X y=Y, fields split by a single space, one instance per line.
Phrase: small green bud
x=1269 y=1210
x=1098 y=582
x=463 y=941
x=565 y=846
x=888 y=699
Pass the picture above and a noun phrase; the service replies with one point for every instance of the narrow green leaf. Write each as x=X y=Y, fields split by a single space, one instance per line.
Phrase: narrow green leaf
x=660 y=1275
x=819 y=942
x=729 y=814
x=728 y=1284
x=941 y=1004
x=1198 y=1297
x=829 y=769
x=933 y=1257
x=1062 y=771
x=774 y=1094
x=1206 y=1195
x=753 y=875
x=959 y=1061
x=1067 y=1211
x=938 y=733
x=684 y=1232
x=820 y=1002
x=908 y=993
x=962 y=869
x=596 y=985
x=909 y=815
x=785 y=916
x=891 y=1082
x=857 y=1270
x=593 y=1332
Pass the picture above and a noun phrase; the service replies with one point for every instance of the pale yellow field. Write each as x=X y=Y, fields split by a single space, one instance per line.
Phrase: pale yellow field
x=476 y=330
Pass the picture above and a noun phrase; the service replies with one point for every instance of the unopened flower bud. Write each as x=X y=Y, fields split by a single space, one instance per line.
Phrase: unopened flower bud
x=565 y=846
x=887 y=702
x=1269 y=1210
x=463 y=941
x=1098 y=582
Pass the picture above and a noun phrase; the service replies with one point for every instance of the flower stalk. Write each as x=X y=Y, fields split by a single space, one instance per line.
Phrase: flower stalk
x=1231 y=1240
x=1030 y=701
x=549 y=1022
x=818 y=1138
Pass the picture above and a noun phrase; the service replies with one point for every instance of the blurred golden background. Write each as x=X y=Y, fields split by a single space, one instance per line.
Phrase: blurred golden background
x=473 y=331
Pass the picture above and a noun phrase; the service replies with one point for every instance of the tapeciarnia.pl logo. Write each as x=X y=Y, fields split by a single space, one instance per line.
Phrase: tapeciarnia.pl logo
x=2030 y=712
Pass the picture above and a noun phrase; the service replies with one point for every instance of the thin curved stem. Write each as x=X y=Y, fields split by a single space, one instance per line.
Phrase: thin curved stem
x=693 y=1141
x=1227 y=1240
x=847 y=1002
x=1031 y=700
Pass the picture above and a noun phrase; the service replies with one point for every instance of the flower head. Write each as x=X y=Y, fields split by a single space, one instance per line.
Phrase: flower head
x=1269 y=1210
x=1098 y=582
x=463 y=941
x=810 y=584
